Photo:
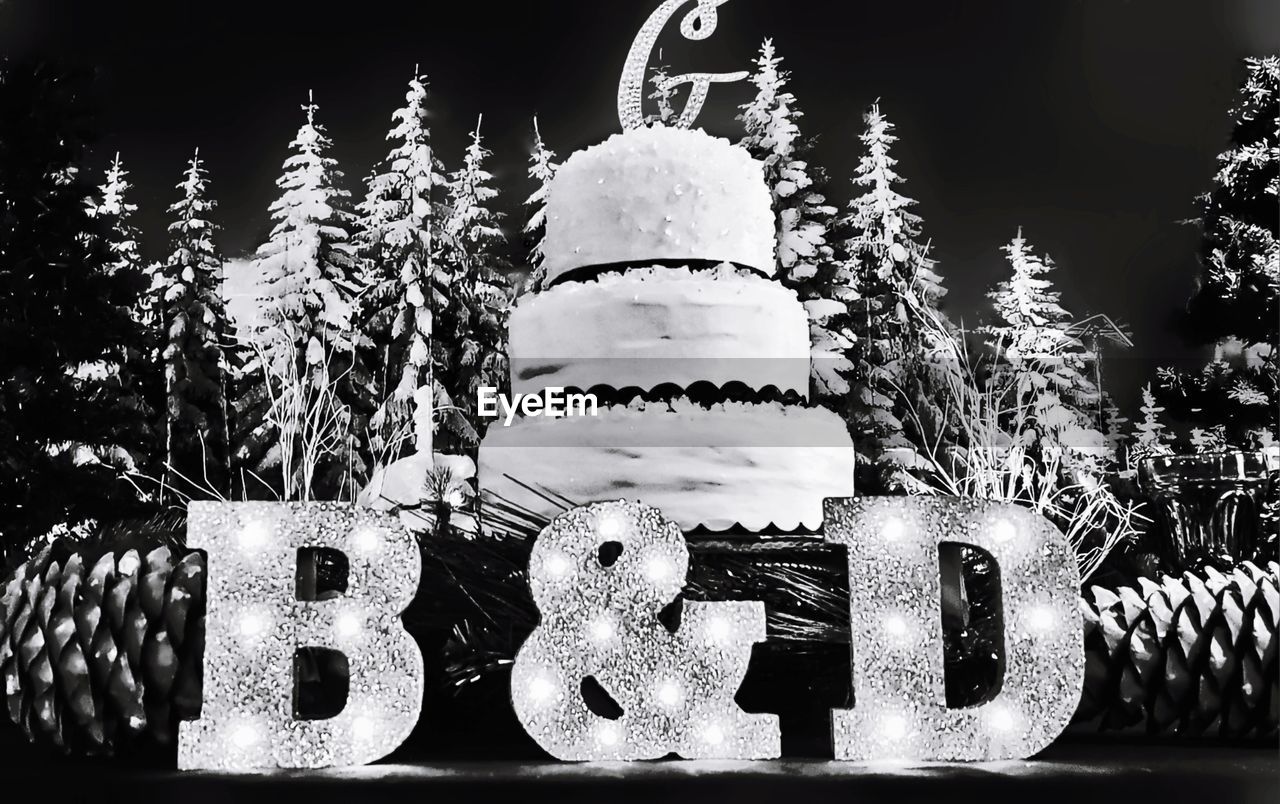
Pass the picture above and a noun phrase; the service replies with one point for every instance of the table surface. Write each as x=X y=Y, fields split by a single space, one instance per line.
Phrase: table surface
x=1082 y=773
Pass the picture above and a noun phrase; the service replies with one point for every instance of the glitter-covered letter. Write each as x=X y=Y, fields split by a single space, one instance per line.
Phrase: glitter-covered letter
x=601 y=576
x=256 y=625
x=900 y=709
x=697 y=25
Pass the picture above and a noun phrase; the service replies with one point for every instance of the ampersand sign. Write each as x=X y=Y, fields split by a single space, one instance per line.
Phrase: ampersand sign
x=600 y=621
x=697 y=25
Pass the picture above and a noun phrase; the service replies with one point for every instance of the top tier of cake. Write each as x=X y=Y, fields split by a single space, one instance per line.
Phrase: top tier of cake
x=659 y=193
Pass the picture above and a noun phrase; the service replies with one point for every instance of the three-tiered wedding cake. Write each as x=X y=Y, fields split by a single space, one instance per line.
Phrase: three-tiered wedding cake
x=659 y=256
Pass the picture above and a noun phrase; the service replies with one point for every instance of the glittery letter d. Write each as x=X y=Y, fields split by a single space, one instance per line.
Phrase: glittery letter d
x=255 y=625
x=900 y=709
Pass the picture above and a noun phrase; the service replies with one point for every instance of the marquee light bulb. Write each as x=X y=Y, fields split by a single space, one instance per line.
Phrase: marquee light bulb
x=602 y=630
x=714 y=735
x=1041 y=619
x=895 y=625
x=362 y=728
x=610 y=527
x=244 y=736
x=719 y=630
x=541 y=689
x=893 y=530
x=366 y=540
x=253 y=535
x=348 y=625
x=557 y=565
x=669 y=693
x=893 y=727
x=1001 y=719
x=659 y=569
x=607 y=734
x=1004 y=531
x=254 y=625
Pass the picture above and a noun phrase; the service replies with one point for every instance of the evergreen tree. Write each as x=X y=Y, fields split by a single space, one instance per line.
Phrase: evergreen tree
x=542 y=169
x=806 y=261
x=113 y=207
x=1115 y=436
x=1211 y=440
x=115 y=212
x=397 y=221
x=1031 y=337
x=196 y=431
x=663 y=95
x=895 y=281
x=472 y=347
x=1150 y=436
x=307 y=294
x=1236 y=305
x=71 y=420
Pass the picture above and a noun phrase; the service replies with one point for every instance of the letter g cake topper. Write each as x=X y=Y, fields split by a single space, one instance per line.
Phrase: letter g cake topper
x=697 y=25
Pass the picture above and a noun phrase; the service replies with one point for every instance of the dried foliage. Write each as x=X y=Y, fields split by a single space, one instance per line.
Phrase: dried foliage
x=988 y=432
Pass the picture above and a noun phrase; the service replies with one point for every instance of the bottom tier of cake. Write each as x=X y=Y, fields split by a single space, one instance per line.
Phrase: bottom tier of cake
x=753 y=466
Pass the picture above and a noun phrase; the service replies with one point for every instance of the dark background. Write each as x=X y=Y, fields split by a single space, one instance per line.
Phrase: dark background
x=1091 y=123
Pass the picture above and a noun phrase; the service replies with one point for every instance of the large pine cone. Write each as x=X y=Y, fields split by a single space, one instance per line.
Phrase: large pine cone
x=99 y=659
x=1192 y=655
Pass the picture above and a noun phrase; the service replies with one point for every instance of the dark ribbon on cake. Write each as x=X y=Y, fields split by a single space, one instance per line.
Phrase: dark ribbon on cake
x=587 y=273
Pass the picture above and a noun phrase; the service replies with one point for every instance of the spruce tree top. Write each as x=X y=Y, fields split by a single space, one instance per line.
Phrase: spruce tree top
x=1241 y=217
x=192 y=231
x=307 y=265
x=769 y=119
x=1032 y=333
x=114 y=208
x=472 y=224
x=542 y=169
x=885 y=230
x=399 y=198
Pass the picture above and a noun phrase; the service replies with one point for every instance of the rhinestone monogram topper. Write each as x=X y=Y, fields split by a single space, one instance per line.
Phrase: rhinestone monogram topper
x=255 y=626
x=900 y=709
x=697 y=25
x=601 y=574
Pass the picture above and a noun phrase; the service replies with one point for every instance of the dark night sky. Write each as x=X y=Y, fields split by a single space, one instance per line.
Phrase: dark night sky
x=1091 y=123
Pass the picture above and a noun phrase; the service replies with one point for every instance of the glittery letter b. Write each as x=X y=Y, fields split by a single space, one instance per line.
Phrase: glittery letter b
x=255 y=625
x=900 y=709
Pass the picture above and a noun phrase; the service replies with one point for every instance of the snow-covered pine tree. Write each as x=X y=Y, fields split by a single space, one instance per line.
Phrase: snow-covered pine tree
x=308 y=288
x=895 y=282
x=1236 y=307
x=115 y=212
x=1211 y=440
x=398 y=218
x=195 y=423
x=806 y=261
x=473 y=349
x=1114 y=433
x=662 y=95
x=71 y=418
x=1150 y=435
x=114 y=208
x=542 y=169
x=1031 y=338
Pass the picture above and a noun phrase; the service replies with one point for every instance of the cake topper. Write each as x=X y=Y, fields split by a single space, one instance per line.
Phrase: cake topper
x=697 y=25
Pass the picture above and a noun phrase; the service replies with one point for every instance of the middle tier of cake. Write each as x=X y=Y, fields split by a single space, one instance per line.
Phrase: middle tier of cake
x=750 y=465
x=647 y=327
